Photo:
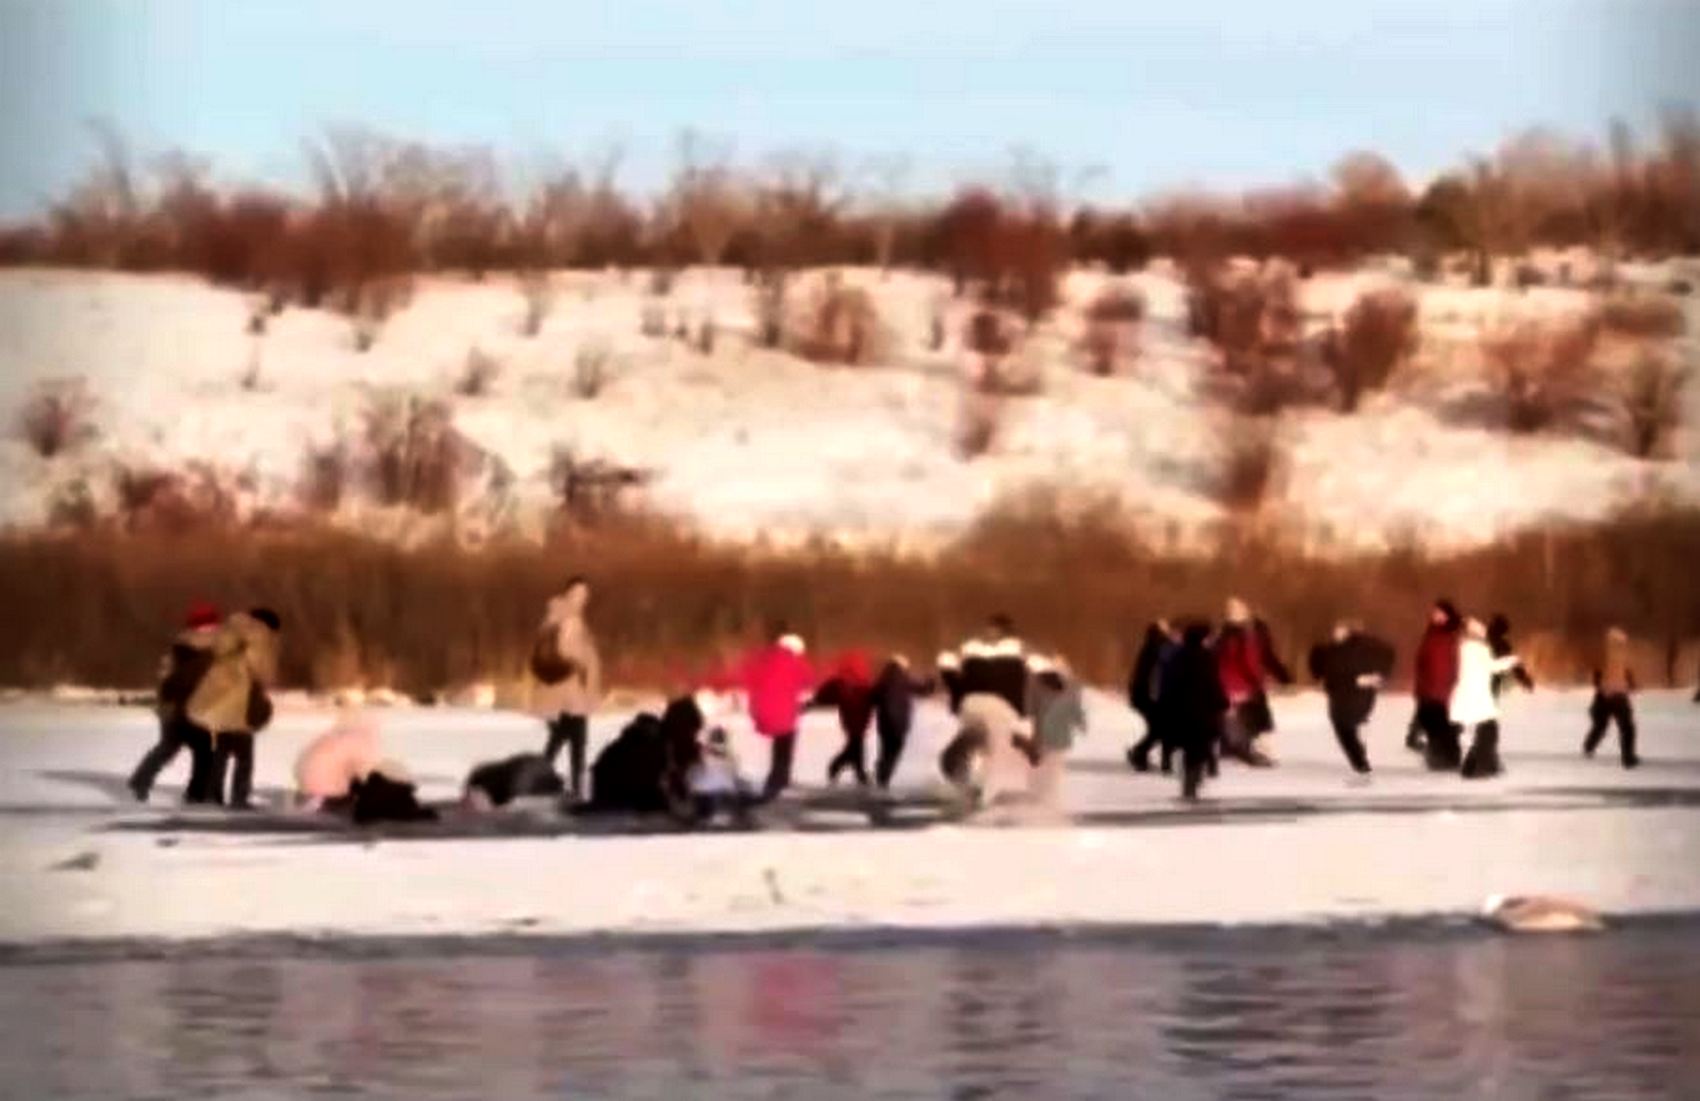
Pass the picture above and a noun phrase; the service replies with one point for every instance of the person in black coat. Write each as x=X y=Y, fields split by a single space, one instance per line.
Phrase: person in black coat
x=1351 y=667
x=1159 y=646
x=645 y=769
x=894 y=692
x=1499 y=641
x=524 y=775
x=1193 y=705
x=996 y=664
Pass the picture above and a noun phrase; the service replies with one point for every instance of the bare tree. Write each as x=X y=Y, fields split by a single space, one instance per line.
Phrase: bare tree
x=706 y=199
x=886 y=176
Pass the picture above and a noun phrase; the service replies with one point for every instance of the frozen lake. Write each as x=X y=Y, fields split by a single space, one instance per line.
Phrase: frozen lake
x=1297 y=843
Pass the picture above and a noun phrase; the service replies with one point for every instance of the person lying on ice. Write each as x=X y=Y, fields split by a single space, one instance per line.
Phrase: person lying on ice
x=497 y=784
x=1245 y=661
x=180 y=672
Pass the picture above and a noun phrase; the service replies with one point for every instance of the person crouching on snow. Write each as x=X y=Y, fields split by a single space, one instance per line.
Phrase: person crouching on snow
x=1473 y=706
x=181 y=670
x=1059 y=717
x=1245 y=660
x=1351 y=667
x=715 y=782
x=1614 y=680
x=331 y=764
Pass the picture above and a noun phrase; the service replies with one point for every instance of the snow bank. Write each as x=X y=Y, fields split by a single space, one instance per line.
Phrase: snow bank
x=753 y=443
x=1293 y=844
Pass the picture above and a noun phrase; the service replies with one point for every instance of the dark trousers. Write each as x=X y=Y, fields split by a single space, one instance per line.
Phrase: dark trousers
x=779 y=765
x=1604 y=711
x=235 y=757
x=892 y=739
x=1346 y=728
x=206 y=782
x=1440 y=737
x=1483 y=759
x=854 y=756
x=156 y=760
x=1140 y=755
x=1247 y=721
x=572 y=731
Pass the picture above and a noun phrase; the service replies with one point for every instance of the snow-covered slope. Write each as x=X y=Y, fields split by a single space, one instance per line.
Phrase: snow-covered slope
x=749 y=442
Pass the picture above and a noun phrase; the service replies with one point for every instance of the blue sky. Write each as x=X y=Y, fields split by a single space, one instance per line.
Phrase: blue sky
x=1159 y=95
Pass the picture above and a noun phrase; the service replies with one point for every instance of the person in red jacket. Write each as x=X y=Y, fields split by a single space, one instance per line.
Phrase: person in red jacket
x=1435 y=676
x=850 y=689
x=1245 y=662
x=777 y=679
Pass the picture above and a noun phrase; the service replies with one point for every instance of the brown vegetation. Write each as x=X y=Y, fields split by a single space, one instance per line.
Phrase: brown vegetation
x=1379 y=333
x=1544 y=374
x=415 y=456
x=1642 y=315
x=1112 y=329
x=842 y=327
x=57 y=417
x=96 y=608
x=1652 y=403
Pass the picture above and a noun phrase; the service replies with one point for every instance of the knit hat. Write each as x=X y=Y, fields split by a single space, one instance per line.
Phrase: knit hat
x=1237 y=610
x=793 y=643
x=202 y=614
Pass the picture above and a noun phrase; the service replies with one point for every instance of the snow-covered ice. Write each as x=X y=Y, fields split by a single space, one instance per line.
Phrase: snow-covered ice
x=1294 y=844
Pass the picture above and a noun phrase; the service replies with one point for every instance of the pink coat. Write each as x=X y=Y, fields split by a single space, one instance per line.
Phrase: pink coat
x=337 y=758
x=777 y=679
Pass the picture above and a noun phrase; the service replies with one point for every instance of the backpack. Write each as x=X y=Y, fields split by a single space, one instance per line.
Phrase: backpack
x=259 y=713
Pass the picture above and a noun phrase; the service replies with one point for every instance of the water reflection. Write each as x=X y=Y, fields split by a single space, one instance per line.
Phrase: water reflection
x=1453 y=1018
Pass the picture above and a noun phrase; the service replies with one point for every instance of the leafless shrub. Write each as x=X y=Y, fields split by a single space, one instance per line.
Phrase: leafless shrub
x=770 y=297
x=1543 y=374
x=1251 y=463
x=1652 y=403
x=1379 y=333
x=592 y=366
x=539 y=295
x=990 y=338
x=661 y=281
x=1112 y=328
x=1640 y=315
x=652 y=322
x=252 y=375
x=326 y=476
x=1253 y=321
x=979 y=422
x=72 y=507
x=1529 y=276
x=936 y=330
x=843 y=327
x=57 y=417
x=172 y=502
x=478 y=374
x=416 y=457
x=705 y=337
x=592 y=489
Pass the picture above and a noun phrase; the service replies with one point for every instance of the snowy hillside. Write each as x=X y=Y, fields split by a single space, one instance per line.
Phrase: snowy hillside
x=749 y=442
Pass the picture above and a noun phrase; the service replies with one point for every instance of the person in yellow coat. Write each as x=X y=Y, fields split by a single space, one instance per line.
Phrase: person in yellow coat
x=231 y=704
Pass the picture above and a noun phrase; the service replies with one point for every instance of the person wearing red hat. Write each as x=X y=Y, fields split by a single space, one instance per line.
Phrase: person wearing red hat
x=180 y=671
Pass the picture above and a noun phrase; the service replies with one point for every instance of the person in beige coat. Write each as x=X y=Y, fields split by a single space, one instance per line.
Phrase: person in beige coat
x=568 y=673
x=232 y=703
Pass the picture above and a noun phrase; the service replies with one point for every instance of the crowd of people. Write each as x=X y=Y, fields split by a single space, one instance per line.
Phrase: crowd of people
x=1200 y=688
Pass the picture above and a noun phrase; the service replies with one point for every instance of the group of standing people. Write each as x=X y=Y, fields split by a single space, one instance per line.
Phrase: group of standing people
x=1201 y=689
x=214 y=696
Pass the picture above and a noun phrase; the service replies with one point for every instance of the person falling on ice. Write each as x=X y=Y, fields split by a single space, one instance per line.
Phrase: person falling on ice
x=1245 y=661
x=1473 y=706
x=1351 y=667
x=181 y=670
x=327 y=770
x=1614 y=681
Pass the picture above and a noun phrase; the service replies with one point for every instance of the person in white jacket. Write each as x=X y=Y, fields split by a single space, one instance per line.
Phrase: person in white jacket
x=1473 y=706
